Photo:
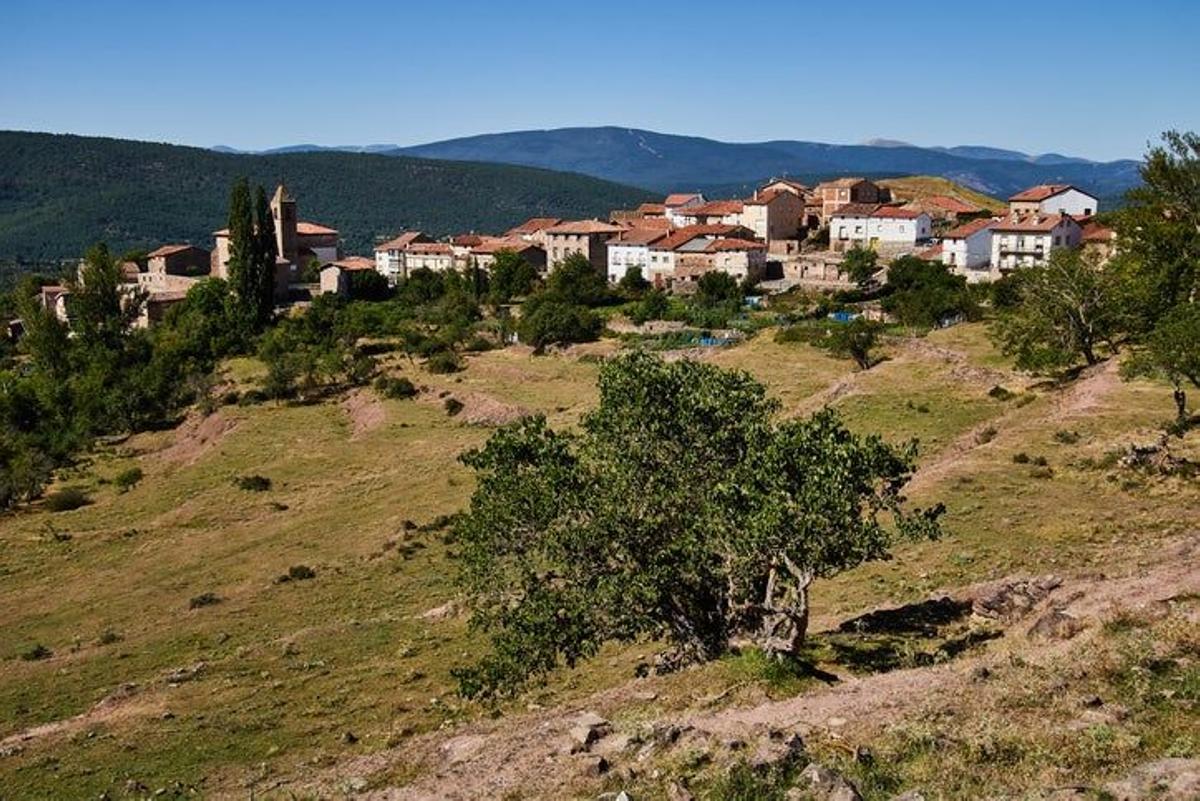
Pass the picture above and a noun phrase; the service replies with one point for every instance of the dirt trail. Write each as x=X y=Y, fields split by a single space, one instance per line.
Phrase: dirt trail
x=365 y=411
x=1079 y=397
x=195 y=437
x=526 y=752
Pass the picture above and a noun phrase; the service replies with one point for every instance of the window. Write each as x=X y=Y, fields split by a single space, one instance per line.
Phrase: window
x=1057 y=240
x=1087 y=212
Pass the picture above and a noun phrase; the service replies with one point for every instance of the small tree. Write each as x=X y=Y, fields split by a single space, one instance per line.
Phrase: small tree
x=546 y=319
x=1068 y=308
x=102 y=310
x=715 y=288
x=632 y=284
x=679 y=510
x=854 y=340
x=511 y=277
x=1173 y=350
x=923 y=293
x=860 y=264
x=575 y=280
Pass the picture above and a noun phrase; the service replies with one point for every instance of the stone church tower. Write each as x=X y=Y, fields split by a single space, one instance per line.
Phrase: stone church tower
x=283 y=209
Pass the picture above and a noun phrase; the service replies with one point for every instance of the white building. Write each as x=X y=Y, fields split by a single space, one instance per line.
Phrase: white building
x=389 y=256
x=715 y=212
x=679 y=201
x=967 y=250
x=632 y=249
x=1028 y=240
x=873 y=226
x=436 y=256
x=1053 y=199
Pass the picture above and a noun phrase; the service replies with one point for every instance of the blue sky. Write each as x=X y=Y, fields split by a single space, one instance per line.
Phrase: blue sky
x=1097 y=79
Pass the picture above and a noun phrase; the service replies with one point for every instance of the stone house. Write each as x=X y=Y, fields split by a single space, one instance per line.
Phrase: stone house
x=586 y=237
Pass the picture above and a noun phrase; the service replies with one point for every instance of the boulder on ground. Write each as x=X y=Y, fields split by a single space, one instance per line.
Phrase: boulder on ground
x=822 y=784
x=1055 y=625
x=1162 y=780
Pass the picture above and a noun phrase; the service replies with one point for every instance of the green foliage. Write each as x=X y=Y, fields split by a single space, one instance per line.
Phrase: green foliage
x=453 y=406
x=860 y=264
x=36 y=653
x=1069 y=308
x=396 y=388
x=127 y=479
x=444 y=361
x=547 y=319
x=297 y=573
x=653 y=306
x=67 y=499
x=61 y=192
x=576 y=281
x=716 y=288
x=204 y=599
x=680 y=510
x=368 y=285
x=924 y=293
x=632 y=283
x=511 y=277
x=253 y=483
x=1172 y=350
x=853 y=340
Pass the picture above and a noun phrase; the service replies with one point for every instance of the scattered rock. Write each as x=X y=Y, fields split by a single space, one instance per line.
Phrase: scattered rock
x=645 y=696
x=290 y=648
x=1162 y=780
x=356 y=784
x=981 y=673
x=909 y=795
x=1055 y=625
x=180 y=675
x=349 y=738
x=460 y=749
x=1012 y=600
x=823 y=784
x=446 y=610
x=1092 y=701
x=776 y=750
x=677 y=792
x=589 y=727
x=11 y=750
x=593 y=765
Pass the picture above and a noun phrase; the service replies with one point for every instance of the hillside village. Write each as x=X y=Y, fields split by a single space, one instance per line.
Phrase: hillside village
x=785 y=235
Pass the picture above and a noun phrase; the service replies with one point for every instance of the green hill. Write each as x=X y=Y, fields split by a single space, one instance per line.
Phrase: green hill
x=59 y=194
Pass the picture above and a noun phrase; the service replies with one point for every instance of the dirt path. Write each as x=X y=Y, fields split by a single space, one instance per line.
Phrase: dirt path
x=1079 y=397
x=365 y=412
x=526 y=753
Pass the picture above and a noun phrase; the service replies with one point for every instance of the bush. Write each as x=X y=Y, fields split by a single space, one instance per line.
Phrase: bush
x=66 y=499
x=1065 y=437
x=204 y=599
x=547 y=319
x=1021 y=458
x=297 y=573
x=1000 y=393
x=478 y=344
x=36 y=653
x=986 y=435
x=127 y=479
x=444 y=361
x=108 y=637
x=453 y=406
x=396 y=388
x=1041 y=472
x=253 y=483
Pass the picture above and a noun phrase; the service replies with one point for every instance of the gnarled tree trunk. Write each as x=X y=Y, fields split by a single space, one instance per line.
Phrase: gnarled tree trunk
x=783 y=620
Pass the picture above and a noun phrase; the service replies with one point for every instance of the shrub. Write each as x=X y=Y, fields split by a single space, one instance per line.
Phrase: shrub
x=1042 y=472
x=66 y=499
x=444 y=361
x=391 y=387
x=297 y=573
x=986 y=435
x=108 y=637
x=1066 y=437
x=453 y=406
x=478 y=344
x=1021 y=458
x=37 y=653
x=1000 y=393
x=1040 y=461
x=127 y=479
x=253 y=483
x=204 y=599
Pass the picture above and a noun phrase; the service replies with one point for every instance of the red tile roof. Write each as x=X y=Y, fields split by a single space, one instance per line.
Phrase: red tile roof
x=682 y=198
x=649 y=223
x=638 y=236
x=765 y=196
x=585 y=227
x=314 y=229
x=430 y=249
x=1032 y=223
x=167 y=250
x=841 y=183
x=468 y=240
x=354 y=263
x=719 y=245
x=931 y=253
x=495 y=244
x=1095 y=232
x=533 y=225
x=715 y=208
x=652 y=208
x=856 y=210
x=896 y=213
x=799 y=187
x=1041 y=192
x=401 y=242
x=968 y=229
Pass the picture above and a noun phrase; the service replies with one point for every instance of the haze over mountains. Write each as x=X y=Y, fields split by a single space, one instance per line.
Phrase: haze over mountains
x=665 y=162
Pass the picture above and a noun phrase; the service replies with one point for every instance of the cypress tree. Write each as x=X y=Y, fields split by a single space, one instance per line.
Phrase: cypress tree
x=242 y=257
x=266 y=251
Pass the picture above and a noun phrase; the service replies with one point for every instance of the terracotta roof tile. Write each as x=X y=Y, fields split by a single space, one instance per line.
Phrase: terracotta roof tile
x=314 y=229
x=1041 y=192
x=714 y=208
x=967 y=229
x=533 y=225
x=585 y=227
x=1032 y=223
x=682 y=198
x=430 y=249
x=167 y=250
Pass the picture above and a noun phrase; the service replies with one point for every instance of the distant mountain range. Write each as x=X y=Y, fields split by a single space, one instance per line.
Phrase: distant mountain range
x=59 y=194
x=666 y=162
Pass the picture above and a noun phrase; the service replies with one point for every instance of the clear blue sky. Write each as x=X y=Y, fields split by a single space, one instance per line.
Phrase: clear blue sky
x=1097 y=79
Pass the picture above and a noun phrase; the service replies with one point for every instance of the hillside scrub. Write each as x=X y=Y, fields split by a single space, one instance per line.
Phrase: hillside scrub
x=680 y=510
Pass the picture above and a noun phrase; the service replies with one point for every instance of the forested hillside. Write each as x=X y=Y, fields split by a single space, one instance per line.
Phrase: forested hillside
x=59 y=194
